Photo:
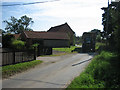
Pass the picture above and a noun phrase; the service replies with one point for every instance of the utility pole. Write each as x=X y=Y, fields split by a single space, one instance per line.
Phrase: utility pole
x=107 y=22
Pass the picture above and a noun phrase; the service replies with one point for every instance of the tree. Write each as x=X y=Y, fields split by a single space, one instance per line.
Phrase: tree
x=78 y=39
x=112 y=33
x=18 y=25
x=96 y=31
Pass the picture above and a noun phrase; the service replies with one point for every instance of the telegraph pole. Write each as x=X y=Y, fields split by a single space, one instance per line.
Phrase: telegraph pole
x=107 y=22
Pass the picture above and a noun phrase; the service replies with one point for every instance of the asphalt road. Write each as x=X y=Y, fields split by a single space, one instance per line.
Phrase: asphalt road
x=55 y=72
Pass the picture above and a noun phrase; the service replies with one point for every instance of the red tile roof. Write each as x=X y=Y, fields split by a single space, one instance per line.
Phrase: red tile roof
x=45 y=35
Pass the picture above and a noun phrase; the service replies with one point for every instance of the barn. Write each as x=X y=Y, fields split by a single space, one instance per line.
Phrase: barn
x=64 y=28
x=46 y=40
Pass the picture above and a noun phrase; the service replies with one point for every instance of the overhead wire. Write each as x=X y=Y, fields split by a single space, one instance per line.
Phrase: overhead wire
x=27 y=3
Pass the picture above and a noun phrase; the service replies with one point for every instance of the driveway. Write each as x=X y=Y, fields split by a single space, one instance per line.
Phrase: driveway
x=55 y=72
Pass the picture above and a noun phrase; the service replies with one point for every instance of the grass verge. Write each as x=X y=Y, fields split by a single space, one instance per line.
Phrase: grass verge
x=10 y=70
x=102 y=72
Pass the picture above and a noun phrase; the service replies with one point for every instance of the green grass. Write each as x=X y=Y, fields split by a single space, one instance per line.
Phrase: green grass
x=102 y=72
x=68 y=50
x=59 y=54
x=10 y=70
x=99 y=45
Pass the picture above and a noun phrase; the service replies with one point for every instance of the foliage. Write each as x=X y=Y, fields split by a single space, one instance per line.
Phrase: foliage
x=111 y=23
x=10 y=70
x=98 y=38
x=18 y=44
x=102 y=72
x=6 y=40
x=18 y=25
x=35 y=45
x=97 y=31
x=98 y=34
x=99 y=46
x=78 y=39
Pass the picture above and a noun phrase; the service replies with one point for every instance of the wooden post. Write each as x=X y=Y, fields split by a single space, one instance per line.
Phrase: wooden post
x=34 y=53
x=13 y=57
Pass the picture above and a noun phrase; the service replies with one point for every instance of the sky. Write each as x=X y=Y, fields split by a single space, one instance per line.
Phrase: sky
x=81 y=15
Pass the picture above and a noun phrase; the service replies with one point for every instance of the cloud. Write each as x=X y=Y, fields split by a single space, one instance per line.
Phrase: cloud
x=81 y=15
x=24 y=0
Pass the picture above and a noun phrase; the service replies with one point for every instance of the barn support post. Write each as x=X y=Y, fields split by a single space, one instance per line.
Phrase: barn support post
x=34 y=53
x=13 y=57
x=50 y=51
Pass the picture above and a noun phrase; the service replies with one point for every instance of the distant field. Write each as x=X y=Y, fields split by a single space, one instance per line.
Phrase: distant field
x=65 y=49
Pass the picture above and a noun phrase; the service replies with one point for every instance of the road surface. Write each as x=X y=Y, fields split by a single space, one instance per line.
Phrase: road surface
x=55 y=72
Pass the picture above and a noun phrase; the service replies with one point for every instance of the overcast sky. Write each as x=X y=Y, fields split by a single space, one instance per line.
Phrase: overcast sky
x=81 y=15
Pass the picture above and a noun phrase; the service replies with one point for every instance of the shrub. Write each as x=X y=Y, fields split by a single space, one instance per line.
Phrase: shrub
x=18 y=44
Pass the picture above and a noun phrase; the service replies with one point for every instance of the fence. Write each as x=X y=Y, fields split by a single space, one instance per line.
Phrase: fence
x=17 y=57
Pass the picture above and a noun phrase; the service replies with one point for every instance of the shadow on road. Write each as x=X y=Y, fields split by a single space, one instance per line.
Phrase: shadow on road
x=81 y=62
x=38 y=81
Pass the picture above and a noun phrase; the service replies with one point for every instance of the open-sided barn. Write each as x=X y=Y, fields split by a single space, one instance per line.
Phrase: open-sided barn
x=46 y=40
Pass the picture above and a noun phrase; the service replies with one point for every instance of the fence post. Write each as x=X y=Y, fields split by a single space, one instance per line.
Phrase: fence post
x=13 y=57
x=34 y=53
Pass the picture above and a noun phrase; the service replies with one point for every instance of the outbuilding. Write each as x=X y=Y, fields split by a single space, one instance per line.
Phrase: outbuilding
x=46 y=40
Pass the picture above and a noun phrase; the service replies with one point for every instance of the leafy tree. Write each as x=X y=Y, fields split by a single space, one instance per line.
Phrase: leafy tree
x=112 y=33
x=78 y=39
x=98 y=34
x=98 y=38
x=96 y=31
x=18 y=25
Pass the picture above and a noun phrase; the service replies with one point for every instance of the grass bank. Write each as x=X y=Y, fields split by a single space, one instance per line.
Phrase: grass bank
x=10 y=70
x=102 y=72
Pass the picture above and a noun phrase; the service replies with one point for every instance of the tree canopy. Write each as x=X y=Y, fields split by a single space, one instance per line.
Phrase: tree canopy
x=111 y=23
x=16 y=26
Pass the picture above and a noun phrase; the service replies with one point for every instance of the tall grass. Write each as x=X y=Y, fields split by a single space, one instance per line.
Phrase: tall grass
x=102 y=72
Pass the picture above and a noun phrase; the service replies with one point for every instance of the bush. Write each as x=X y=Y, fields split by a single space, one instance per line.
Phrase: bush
x=18 y=44
x=6 y=40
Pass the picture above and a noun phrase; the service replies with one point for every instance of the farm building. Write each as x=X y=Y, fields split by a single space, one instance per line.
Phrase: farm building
x=56 y=37
x=64 y=28
x=46 y=40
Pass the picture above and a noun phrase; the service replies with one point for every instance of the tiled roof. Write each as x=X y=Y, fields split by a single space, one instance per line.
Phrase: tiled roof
x=45 y=35
x=16 y=36
x=61 y=28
